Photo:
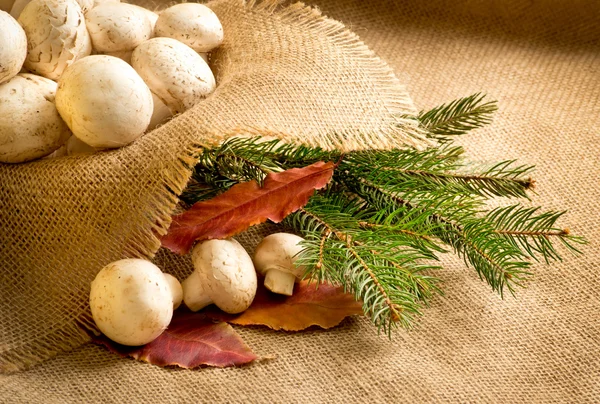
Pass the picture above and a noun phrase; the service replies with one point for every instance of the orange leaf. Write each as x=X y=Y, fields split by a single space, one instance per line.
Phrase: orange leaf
x=325 y=306
x=190 y=341
x=245 y=205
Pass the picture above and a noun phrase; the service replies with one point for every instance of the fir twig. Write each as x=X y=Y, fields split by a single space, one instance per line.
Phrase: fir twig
x=458 y=117
x=386 y=215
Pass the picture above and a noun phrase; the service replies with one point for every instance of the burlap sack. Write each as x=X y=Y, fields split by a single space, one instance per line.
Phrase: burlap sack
x=541 y=60
x=283 y=71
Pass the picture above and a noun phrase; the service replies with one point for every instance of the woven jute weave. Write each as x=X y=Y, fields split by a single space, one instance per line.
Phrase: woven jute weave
x=539 y=59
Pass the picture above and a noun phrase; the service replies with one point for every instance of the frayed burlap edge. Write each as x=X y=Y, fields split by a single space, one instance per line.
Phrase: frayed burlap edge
x=144 y=242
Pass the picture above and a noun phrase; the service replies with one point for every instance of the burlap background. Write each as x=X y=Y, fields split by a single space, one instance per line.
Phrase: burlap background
x=541 y=60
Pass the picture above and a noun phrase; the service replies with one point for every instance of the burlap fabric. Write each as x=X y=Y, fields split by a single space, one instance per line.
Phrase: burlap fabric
x=541 y=60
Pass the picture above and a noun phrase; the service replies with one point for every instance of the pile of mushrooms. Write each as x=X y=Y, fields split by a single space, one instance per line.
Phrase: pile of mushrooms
x=79 y=76
x=132 y=301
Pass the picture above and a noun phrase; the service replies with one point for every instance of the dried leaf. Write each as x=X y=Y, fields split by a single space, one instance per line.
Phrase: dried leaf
x=245 y=205
x=325 y=306
x=191 y=340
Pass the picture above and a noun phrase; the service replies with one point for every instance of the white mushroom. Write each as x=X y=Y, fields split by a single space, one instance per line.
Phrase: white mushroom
x=104 y=102
x=6 y=5
x=191 y=23
x=98 y=2
x=224 y=275
x=176 y=290
x=152 y=16
x=174 y=72
x=131 y=301
x=74 y=146
x=30 y=126
x=160 y=114
x=13 y=47
x=275 y=257
x=56 y=36
x=117 y=27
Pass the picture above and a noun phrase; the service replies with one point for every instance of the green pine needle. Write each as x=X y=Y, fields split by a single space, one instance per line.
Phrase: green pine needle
x=387 y=214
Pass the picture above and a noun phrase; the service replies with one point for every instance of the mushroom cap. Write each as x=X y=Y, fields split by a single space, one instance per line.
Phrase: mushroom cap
x=117 y=27
x=160 y=114
x=104 y=101
x=75 y=146
x=226 y=274
x=30 y=126
x=98 y=2
x=152 y=16
x=279 y=251
x=13 y=47
x=194 y=24
x=56 y=36
x=131 y=301
x=174 y=72
x=176 y=290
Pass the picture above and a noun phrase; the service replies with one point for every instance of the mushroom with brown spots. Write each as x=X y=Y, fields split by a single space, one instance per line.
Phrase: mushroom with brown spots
x=224 y=275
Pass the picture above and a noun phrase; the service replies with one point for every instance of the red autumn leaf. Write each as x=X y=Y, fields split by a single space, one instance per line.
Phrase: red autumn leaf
x=191 y=340
x=245 y=205
x=325 y=306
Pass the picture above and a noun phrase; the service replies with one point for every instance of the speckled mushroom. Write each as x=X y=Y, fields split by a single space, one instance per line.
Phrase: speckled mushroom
x=56 y=36
x=174 y=72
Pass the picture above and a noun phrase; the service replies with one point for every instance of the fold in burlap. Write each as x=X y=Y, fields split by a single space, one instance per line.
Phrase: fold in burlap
x=283 y=71
x=541 y=60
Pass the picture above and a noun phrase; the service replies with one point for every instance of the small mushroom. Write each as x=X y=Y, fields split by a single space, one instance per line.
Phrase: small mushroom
x=74 y=146
x=30 y=126
x=194 y=24
x=275 y=258
x=160 y=114
x=56 y=36
x=174 y=72
x=176 y=290
x=224 y=275
x=131 y=301
x=104 y=102
x=13 y=47
x=117 y=27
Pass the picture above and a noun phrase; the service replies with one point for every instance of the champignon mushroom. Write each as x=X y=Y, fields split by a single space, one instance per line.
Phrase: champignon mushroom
x=117 y=27
x=13 y=47
x=104 y=102
x=224 y=275
x=194 y=24
x=174 y=72
x=56 y=36
x=275 y=257
x=30 y=126
x=160 y=114
x=176 y=290
x=131 y=301
x=74 y=146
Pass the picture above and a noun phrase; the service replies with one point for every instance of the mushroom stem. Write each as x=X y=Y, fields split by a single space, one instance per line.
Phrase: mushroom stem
x=176 y=290
x=280 y=282
x=195 y=296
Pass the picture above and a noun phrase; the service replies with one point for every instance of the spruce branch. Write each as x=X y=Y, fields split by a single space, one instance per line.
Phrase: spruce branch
x=533 y=232
x=387 y=214
x=458 y=117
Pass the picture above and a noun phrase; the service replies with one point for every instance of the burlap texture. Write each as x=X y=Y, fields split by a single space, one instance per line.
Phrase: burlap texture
x=285 y=71
x=541 y=60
